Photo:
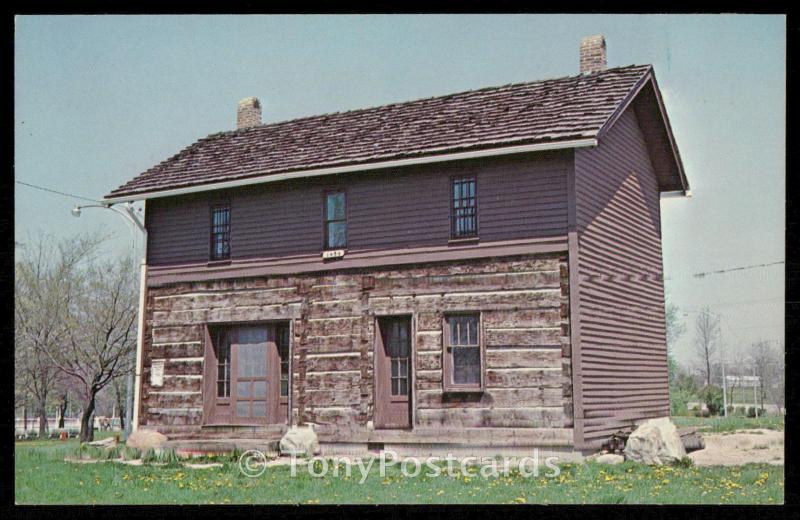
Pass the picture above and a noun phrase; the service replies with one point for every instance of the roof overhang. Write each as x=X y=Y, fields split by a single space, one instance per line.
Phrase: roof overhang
x=645 y=99
x=360 y=167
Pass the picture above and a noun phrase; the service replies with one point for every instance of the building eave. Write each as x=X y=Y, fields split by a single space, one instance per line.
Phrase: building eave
x=361 y=167
x=650 y=79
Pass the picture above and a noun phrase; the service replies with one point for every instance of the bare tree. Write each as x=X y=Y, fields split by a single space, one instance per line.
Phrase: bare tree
x=761 y=360
x=706 y=337
x=769 y=368
x=101 y=333
x=779 y=379
x=119 y=399
x=65 y=387
x=43 y=277
x=779 y=388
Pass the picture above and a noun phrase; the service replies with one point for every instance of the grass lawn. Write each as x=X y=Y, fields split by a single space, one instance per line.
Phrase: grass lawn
x=42 y=477
x=733 y=422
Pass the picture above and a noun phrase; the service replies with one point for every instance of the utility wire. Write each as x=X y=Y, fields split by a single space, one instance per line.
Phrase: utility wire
x=695 y=275
x=742 y=268
x=57 y=192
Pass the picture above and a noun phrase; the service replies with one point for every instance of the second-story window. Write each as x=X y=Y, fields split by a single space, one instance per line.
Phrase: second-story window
x=220 y=232
x=335 y=220
x=464 y=208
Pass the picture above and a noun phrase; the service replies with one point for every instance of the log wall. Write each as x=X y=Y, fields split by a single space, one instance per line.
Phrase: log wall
x=525 y=310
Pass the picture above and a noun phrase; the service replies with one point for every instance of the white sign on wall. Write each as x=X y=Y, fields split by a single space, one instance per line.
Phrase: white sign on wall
x=157 y=372
x=335 y=253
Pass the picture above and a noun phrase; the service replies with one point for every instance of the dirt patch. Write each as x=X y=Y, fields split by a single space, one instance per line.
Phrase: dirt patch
x=740 y=447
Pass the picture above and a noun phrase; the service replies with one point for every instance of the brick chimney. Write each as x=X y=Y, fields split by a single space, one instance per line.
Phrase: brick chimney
x=249 y=113
x=593 y=54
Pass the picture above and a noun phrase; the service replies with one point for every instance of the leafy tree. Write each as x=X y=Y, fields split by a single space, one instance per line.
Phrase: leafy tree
x=682 y=388
x=675 y=329
x=75 y=318
x=44 y=274
x=101 y=334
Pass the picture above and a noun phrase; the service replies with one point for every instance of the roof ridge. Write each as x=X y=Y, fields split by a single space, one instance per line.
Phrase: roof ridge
x=418 y=100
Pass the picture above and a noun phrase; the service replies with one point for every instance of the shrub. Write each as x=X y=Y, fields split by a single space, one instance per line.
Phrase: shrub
x=129 y=453
x=712 y=396
x=678 y=401
x=751 y=411
x=167 y=456
x=86 y=451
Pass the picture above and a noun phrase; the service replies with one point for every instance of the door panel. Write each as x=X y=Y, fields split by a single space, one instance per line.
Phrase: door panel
x=393 y=373
x=250 y=374
x=245 y=375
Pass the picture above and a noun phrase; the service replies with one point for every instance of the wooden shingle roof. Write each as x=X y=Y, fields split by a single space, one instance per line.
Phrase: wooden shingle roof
x=548 y=111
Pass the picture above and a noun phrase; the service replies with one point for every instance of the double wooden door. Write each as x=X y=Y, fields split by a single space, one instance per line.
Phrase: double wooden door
x=393 y=373
x=247 y=375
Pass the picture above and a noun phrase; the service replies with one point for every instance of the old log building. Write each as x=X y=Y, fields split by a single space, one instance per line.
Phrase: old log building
x=478 y=270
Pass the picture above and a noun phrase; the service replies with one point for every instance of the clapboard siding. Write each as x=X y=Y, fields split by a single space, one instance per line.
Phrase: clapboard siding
x=623 y=372
x=522 y=197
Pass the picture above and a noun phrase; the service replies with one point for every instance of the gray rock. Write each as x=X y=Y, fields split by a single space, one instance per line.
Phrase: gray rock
x=692 y=442
x=655 y=441
x=143 y=440
x=609 y=458
x=108 y=442
x=300 y=441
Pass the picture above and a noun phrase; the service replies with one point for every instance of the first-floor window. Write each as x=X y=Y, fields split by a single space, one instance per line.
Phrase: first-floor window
x=283 y=352
x=223 y=344
x=398 y=348
x=463 y=355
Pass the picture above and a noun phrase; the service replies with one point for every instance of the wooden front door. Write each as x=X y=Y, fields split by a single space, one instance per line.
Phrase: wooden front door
x=393 y=373
x=245 y=369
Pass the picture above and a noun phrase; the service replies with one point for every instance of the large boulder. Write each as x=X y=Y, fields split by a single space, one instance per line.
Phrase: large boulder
x=143 y=440
x=655 y=441
x=300 y=441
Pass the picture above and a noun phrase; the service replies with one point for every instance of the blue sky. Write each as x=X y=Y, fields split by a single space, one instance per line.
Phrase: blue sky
x=99 y=99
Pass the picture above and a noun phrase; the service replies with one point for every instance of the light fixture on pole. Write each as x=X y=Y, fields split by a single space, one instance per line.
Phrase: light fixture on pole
x=131 y=217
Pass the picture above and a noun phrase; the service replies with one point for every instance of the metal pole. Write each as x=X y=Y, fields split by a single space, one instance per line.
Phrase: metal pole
x=755 y=394
x=129 y=380
x=129 y=401
x=724 y=388
x=130 y=215
x=724 y=381
x=139 y=341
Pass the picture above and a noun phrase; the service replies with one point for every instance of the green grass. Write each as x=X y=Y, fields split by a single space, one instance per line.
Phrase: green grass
x=42 y=477
x=733 y=422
